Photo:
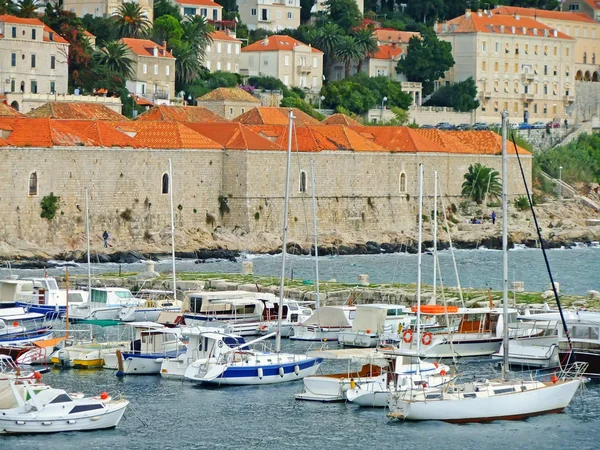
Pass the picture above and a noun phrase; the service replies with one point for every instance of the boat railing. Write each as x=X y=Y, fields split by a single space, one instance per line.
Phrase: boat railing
x=575 y=370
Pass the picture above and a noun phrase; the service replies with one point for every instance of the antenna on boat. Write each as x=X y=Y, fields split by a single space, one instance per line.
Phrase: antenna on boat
x=284 y=237
x=419 y=256
x=314 y=205
x=435 y=254
x=505 y=367
x=172 y=230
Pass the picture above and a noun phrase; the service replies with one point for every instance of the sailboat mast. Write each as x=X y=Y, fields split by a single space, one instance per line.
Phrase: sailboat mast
x=172 y=230
x=314 y=205
x=504 y=245
x=420 y=256
x=284 y=237
x=435 y=255
x=87 y=232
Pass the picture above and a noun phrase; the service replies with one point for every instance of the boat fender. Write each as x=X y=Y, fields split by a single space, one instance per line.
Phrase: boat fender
x=427 y=338
x=297 y=369
x=443 y=372
x=352 y=383
x=399 y=328
x=281 y=372
x=408 y=336
x=260 y=373
x=554 y=379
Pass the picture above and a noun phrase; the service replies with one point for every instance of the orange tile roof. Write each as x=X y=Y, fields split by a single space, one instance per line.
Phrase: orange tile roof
x=45 y=132
x=102 y=133
x=9 y=111
x=277 y=42
x=341 y=119
x=168 y=135
x=199 y=3
x=233 y=136
x=229 y=94
x=221 y=36
x=304 y=139
x=496 y=23
x=388 y=52
x=402 y=139
x=265 y=115
x=595 y=5
x=180 y=114
x=145 y=47
x=345 y=138
x=469 y=142
x=6 y=18
x=543 y=13
x=390 y=35
x=75 y=110
x=55 y=36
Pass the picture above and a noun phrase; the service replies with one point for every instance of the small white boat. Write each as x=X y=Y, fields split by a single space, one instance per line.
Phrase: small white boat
x=19 y=314
x=30 y=408
x=14 y=334
x=294 y=313
x=325 y=324
x=102 y=304
x=39 y=295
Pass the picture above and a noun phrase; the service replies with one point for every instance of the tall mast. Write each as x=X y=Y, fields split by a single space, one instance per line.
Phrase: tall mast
x=314 y=205
x=419 y=257
x=284 y=237
x=435 y=255
x=172 y=230
x=87 y=232
x=504 y=245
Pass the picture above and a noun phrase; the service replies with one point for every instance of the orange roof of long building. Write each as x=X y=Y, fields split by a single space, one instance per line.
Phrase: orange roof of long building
x=499 y=24
x=233 y=136
x=76 y=110
x=180 y=114
x=167 y=135
x=275 y=43
x=267 y=115
x=543 y=13
x=391 y=35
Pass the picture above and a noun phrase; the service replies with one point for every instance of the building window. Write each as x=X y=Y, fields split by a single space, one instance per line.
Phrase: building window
x=14 y=32
x=507 y=48
x=484 y=46
x=402 y=183
x=567 y=51
x=264 y=14
x=32 y=61
x=545 y=50
x=574 y=7
x=535 y=49
x=208 y=65
x=22 y=87
x=286 y=60
x=53 y=62
x=545 y=108
x=279 y=14
x=13 y=85
x=243 y=110
x=231 y=111
x=516 y=107
x=145 y=68
x=189 y=11
x=527 y=49
x=506 y=67
x=33 y=30
x=495 y=106
x=167 y=70
x=218 y=47
x=237 y=49
x=215 y=14
x=53 y=87
x=496 y=66
x=497 y=46
x=165 y=184
x=13 y=59
x=228 y=67
x=33 y=87
x=143 y=88
x=33 y=184
x=483 y=65
x=554 y=109
x=516 y=68
x=315 y=62
x=302 y=181
x=290 y=15
x=593 y=58
x=535 y=108
x=545 y=89
x=545 y=70
x=555 y=50
x=567 y=71
x=228 y=48
x=585 y=57
x=266 y=62
x=516 y=49
x=286 y=80
x=155 y=69
x=203 y=12
x=253 y=11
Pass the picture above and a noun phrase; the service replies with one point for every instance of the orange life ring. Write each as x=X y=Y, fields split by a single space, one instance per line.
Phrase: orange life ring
x=407 y=336
x=427 y=338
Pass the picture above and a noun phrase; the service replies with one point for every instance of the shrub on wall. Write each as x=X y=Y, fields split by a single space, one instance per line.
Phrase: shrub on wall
x=50 y=205
x=223 y=205
x=126 y=215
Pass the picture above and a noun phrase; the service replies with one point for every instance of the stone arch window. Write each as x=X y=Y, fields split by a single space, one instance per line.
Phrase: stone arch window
x=579 y=76
x=33 y=184
x=402 y=182
x=165 y=184
x=302 y=181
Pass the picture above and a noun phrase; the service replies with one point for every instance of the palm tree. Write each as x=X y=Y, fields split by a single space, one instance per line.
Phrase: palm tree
x=481 y=181
x=131 y=21
x=326 y=40
x=348 y=51
x=27 y=8
x=197 y=31
x=366 y=40
x=115 y=56
x=187 y=65
x=8 y=7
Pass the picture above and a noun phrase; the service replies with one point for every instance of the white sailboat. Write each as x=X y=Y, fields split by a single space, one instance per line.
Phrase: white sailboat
x=484 y=401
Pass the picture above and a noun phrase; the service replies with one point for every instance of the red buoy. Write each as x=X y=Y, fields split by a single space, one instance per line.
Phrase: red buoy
x=104 y=395
x=37 y=376
x=15 y=324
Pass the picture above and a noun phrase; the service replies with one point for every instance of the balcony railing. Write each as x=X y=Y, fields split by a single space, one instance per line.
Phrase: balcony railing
x=569 y=98
x=304 y=69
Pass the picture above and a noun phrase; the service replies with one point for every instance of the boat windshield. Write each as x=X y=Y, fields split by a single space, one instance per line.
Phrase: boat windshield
x=123 y=294
x=233 y=341
x=52 y=284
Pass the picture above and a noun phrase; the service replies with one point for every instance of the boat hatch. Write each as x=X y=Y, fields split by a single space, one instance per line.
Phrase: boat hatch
x=470 y=395
x=504 y=391
x=433 y=396
x=233 y=341
x=62 y=398
x=83 y=408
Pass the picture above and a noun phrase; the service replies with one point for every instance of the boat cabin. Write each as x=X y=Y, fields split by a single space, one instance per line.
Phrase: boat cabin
x=223 y=304
x=114 y=297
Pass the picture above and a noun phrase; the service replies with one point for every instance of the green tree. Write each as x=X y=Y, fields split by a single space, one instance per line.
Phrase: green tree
x=348 y=51
x=197 y=32
x=349 y=95
x=367 y=42
x=166 y=8
x=115 y=57
x=297 y=102
x=131 y=22
x=102 y=28
x=426 y=11
x=427 y=59
x=579 y=159
x=461 y=96
x=167 y=28
x=384 y=87
x=481 y=181
x=344 y=13
x=27 y=8
x=327 y=40
x=187 y=65
x=8 y=7
x=267 y=83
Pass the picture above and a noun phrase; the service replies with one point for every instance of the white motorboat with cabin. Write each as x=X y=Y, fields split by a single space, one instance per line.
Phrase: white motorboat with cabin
x=151 y=344
x=325 y=324
x=30 y=408
x=294 y=313
x=241 y=310
x=154 y=303
x=36 y=295
x=103 y=303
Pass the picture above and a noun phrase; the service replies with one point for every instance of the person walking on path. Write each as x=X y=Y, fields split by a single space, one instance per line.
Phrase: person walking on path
x=105 y=236
x=493 y=217
x=566 y=124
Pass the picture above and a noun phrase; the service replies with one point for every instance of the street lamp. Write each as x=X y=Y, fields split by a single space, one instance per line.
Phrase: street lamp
x=383 y=100
x=560 y=182
x=321 y=98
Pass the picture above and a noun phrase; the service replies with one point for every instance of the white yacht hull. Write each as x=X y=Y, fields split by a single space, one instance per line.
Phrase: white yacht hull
x=358 y=339
x=553 y=398
x=440 y=347
x=329 y=389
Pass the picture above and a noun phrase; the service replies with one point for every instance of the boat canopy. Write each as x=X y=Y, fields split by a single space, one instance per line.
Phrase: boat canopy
x=369 y=318
x=359 y=355
x=328 y=316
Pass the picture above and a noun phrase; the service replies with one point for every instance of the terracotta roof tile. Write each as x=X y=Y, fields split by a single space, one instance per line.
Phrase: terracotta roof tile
x=542 y=13
x=55 y=36
x=199 y=3
x=595 y=5
x=233 y=136
x=180 y=114
x=6 y=18
x=221 y=36
x=102 y=133
x=386 y=51
x=145 y=47
x=75 y=110
x=402 y=139
x=168 y=135
x=345 y=138
x=264 y=115
x=277 y=42
x=341 y=119
x=230 y=94
x=390 y=35
x=304 y=139
x=9 y=111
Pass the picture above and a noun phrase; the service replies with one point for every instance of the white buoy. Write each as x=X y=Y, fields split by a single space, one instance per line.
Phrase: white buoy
x=260 y=373
x=247 y=268
x=363 y=279
x=281 y=372
x=297 y=369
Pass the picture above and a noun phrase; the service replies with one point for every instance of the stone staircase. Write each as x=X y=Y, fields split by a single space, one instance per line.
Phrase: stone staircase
x=578 y=130
x=568 y=191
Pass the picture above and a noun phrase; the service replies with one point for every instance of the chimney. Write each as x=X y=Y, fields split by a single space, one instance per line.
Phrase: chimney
x=155 y=51
x=265 y=41
x=164 y=50
x=555 y=33
x=479 y=12
x=535 y=31
x=517 y=17
x=467 y=13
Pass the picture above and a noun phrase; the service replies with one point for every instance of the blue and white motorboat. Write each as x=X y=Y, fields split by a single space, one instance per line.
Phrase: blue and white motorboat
x=36 y=295
x=151 y=344
x=16 y=334
x=103 y=304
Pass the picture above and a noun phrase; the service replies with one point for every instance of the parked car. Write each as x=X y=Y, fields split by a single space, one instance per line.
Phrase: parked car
x=554 y=124
x=445 y=126
x=480 y=126
x=426 y=126
x=463 y=126
x=538 y=125
x=513 y=126
x=525 y=126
